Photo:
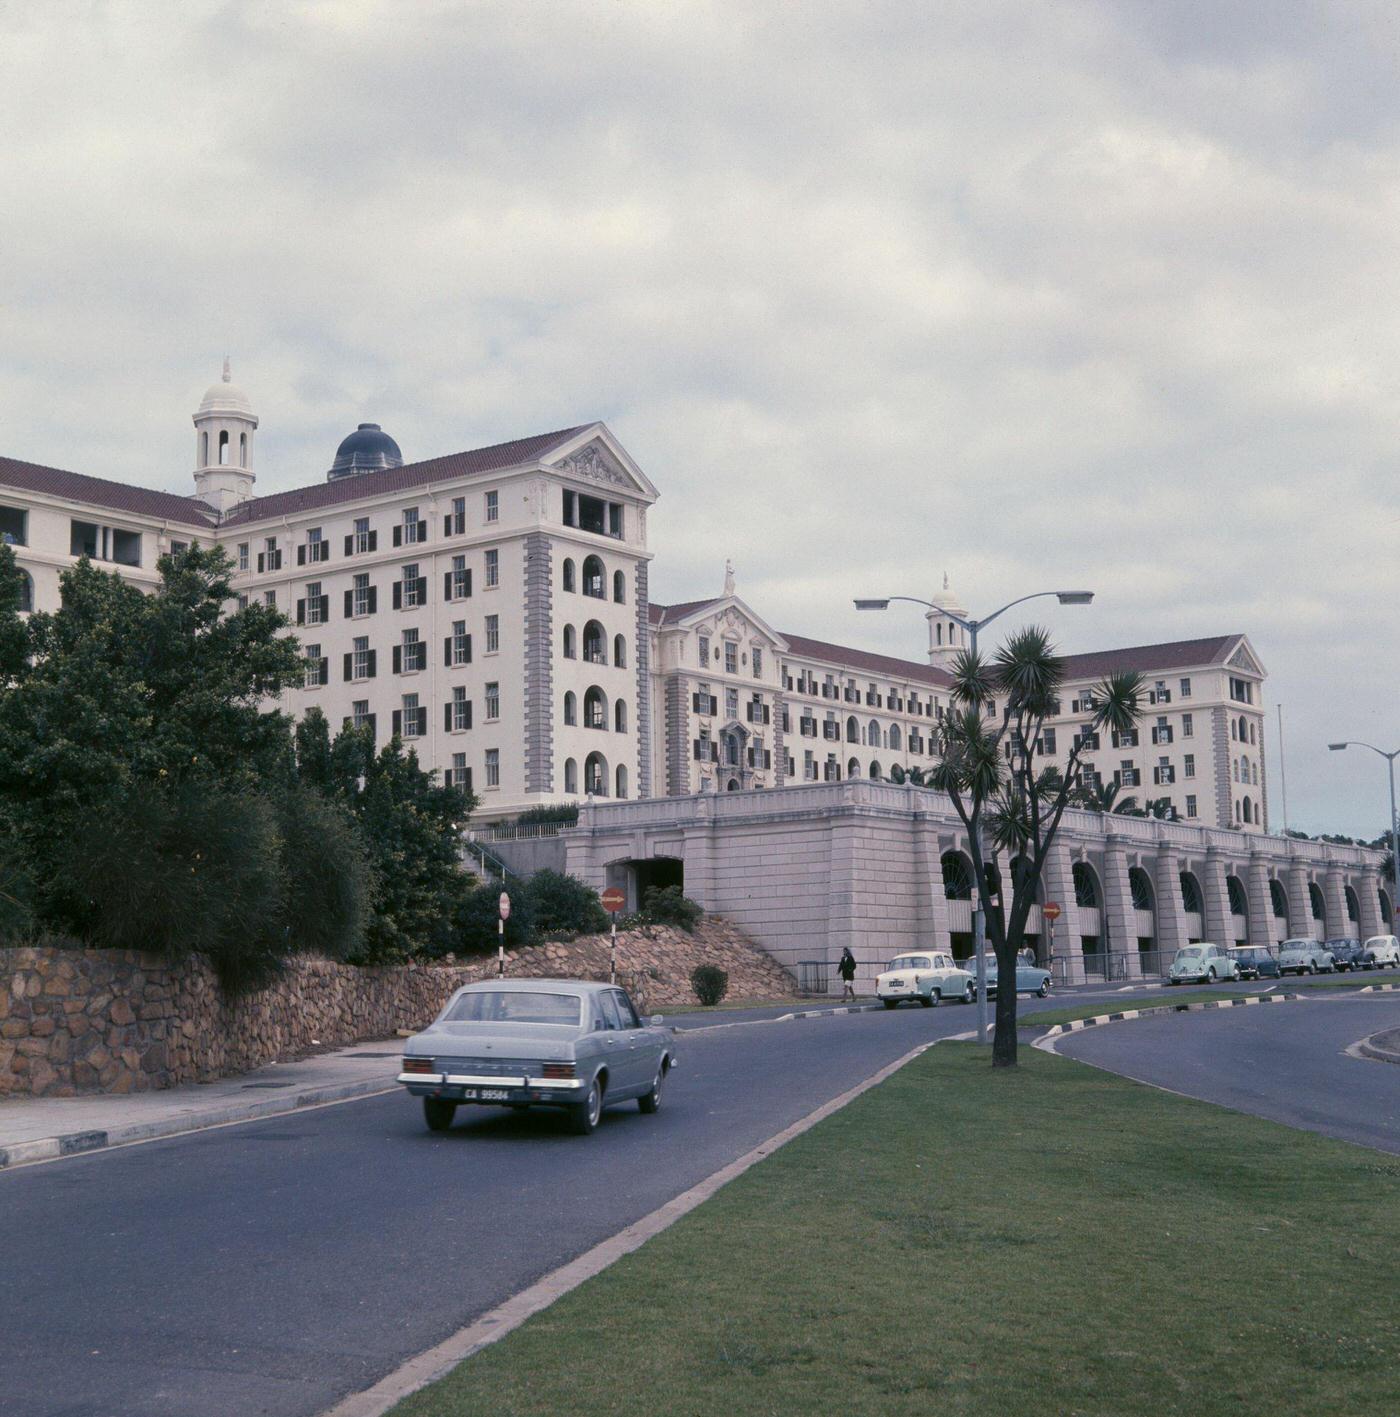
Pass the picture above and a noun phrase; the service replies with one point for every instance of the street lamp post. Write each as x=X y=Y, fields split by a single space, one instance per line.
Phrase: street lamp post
x=979 y=925
x=1394 y=823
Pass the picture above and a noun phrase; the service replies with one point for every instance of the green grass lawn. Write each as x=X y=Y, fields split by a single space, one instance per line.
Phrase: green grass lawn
x=1047 y=1240
x=1043 y=1018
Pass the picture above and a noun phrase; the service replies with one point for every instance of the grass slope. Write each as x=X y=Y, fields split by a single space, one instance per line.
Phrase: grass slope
x=1051 y=1240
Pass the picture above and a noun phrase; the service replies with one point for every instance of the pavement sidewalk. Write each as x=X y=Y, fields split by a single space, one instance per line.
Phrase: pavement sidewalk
x=41 y=1128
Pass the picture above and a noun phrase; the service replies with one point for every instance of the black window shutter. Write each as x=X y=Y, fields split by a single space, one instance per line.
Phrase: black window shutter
x=374 y=541
x=767 y=758
x=447 y=718
x=325 y=607
x=398 y=723
x=447 y=652
x=697 y=750
x=373 y=656
x=398 y=536
x=369 y=719
x=325 y=550
x=469 y=713
x=349 y=603
x=349 y=665
x=469 y=583
x=349 y=545
x=398 y=659
x=766 y=716
x=422 y=722
x=301 y=612
x=325 y=675
x=262 y=561
x=469 y=649
x=447 y=526
x=301 y=555
x=398 y=595
x=422 y=590
x=695 y=703
x=373 y=599
x=447 y=585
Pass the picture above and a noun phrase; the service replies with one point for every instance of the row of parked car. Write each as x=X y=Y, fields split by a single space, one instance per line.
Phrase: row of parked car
x=935 y=978
x=1206 y=963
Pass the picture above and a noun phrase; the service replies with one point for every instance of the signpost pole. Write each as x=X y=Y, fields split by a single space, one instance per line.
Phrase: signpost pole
x=501 y=934
x=1050 y=913
x=613 y=900
x=612 y=954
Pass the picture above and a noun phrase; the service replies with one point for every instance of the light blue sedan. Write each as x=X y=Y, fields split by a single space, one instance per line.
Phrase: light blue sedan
x=1030 y=978
x=522 y=1043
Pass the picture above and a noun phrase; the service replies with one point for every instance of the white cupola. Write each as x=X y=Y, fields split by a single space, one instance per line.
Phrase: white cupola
x=945 y=636
x=224 y=427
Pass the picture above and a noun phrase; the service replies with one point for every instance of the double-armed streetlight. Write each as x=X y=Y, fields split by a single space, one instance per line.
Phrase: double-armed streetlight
x=1394 y=824
x=1065 y=597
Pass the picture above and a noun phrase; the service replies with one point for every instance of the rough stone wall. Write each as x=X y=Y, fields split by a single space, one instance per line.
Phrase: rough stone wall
x=76 y=1021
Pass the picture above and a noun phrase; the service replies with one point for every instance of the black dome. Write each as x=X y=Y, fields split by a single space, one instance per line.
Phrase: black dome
x=367 y=449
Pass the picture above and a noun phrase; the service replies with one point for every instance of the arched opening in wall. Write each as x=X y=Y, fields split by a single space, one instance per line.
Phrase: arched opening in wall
x=1315 y=901
x=648 y=874
x=620 y=781
x=204 y=449
x=595 y=775
x=223 y=448
x=1140 y=884
x=896 y=742
x=1353 y=905
x=570 y=775
x=594 y=644
x=1248 y=812
x=874 y=771
x=1192 y=901
x=594 y=578
x=732 y=785
x=570 y=709
x=595 y=708
x=853 y=767
x=570 y=642
x=619 y=588
x=897 y=773
x=957 y=876
x=568 y=573
x=1386 y=915
x=26 y=593
x=852 y=730
x=243 y=450
x=1278 y=901
x=1087 y=895
x=620 y=716
x=620 y=651
x=1234 y=891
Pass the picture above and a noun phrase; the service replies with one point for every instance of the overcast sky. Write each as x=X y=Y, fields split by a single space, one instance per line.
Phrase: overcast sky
x=1088 y=294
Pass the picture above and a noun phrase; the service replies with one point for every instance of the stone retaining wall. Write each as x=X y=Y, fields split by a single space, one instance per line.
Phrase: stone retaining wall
x=76 y=1021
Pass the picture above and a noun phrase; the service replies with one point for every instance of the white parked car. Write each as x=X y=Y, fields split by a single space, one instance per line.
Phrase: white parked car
x=930 y=978
x=1381 y=952
x=1305 y=956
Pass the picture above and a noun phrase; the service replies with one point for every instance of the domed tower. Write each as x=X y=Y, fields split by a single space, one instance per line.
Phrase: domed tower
x=368 y=449
x=945 y=636
x=224 y=427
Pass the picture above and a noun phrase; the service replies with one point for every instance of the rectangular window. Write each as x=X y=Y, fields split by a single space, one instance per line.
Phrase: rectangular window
x=1190 y=805
x=1188 y=725
x=176 y=547
x=615 y=520
x=704 y=651
x=315 y=605
x=1242 y=691
x=14 y=526
x=731 y=658
x=493 y=507
x=316 y=548
x=1047 y=742
x=459 y=711
x=411 y=717
x=493 y=633
x=364 y=537
x=1185 y=688
x=410 y=530
x=410 y=654
x=243 y=602
x=731 y=703
x=459 y=774
x=84 y=540
x=269 y=558
x=493 y=568
x=360 y=715
x=415 y=588
x=242 y=555
x=270 y=599
x=459 y=644
x=456 y=522
x=1189 y=765
x=362 y=595
x=311 y=666
x=493 y=701
x=458 y=584
x=360 y=657
x=756 y=658
x=493 y=767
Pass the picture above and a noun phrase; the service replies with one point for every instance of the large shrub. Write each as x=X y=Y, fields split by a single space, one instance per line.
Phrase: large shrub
x=477 y=916
x=563 y=903
x=665 y=905
x=710 y=983
x=328 y=881
x=565 y=812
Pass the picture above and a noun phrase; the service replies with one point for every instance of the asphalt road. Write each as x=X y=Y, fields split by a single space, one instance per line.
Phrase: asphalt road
x=273 y=1267
x=1285 y=1062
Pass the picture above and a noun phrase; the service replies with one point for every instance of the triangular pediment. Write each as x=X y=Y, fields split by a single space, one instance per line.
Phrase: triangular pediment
x=595 y=455
x=1245 y=658
x=730 y=613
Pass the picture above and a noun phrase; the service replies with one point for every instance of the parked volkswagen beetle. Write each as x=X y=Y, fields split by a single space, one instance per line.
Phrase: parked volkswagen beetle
x=1202 y=963
x=1382 y=951
x=538 y=1042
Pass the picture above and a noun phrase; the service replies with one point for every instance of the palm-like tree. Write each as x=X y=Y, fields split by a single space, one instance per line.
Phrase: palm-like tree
x=1098 y=796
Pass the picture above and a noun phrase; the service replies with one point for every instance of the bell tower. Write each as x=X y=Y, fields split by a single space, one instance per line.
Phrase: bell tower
x=224 y=427
x=945 y=636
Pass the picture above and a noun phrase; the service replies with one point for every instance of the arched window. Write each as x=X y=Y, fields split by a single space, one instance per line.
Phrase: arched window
x=223 y=448
x=1244 y=730
x=621 y=776
x=620 y=651
x=1191 y=894
x=852 y=731
x=204 y=448
x=1353 y=905
x=874 y=771
x=1239 y=901
x=1278 y=898
x=896 y=741
x=595 y=644
x=595 y=775
x=1086 y=886
x=1141 y=887
x=243 y=450
x=568 y=574
x=570 y=708
x=940 y=632
x=1248 y=814
x=872 y=733
x=957 y=876
x=595 y=709
x=570 y=643
x=619 y=595
x=620 y=715
x=1251 y=733
x=26 y=593
x=897 y=773
x=853 y=768
x=1315 y=901
x=593 y=578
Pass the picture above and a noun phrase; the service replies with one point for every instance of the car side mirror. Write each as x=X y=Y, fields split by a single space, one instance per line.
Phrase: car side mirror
x=656 y=1020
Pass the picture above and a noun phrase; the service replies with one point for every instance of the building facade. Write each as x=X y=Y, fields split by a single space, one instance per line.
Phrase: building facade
x=492 y=608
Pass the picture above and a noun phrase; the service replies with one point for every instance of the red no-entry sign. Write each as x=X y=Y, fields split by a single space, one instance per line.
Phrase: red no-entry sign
x=613 y=900
x=505 y=906
x=1050 y=910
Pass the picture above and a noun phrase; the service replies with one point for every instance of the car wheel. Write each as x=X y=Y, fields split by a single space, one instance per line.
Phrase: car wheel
x=935 y=997
x=970 y=993
x=1311 y=967
x=583 y=1116
x=1044 y=990
x=438 y=1113
x=889 y=1003
x=652 y=1100
x=1210 y=975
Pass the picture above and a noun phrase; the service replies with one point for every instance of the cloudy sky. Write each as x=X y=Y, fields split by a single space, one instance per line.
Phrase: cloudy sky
x=1079 y=292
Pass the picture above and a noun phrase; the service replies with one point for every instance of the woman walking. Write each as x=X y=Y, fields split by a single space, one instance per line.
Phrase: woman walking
x=847 y=970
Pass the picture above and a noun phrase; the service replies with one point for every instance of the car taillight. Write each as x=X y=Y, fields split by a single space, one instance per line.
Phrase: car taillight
x=557 y=1070
x=418 y=1065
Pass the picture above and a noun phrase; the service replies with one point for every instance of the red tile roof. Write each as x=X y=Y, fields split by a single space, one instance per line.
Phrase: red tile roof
x=401 y=479
x=884 y=664
x=1175 y=654
x=142 y=502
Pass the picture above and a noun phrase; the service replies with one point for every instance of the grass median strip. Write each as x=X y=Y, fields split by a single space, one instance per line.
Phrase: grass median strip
x=1049 y=1240
x=1044 y=1018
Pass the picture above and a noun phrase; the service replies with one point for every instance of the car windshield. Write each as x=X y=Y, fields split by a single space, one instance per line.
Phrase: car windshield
x=911 y=962
x=1297 y=945
x=1193 y=953
x=515 y=1006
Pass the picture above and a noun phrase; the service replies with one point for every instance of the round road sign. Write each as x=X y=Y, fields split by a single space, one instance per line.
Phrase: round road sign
x=1050 y=910
x=505 y=906
x=613 y=899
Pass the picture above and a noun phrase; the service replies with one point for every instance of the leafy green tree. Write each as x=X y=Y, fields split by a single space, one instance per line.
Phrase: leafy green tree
x=329 y=884
x=1103 y=797
x=1012 y=799
x=559 y=902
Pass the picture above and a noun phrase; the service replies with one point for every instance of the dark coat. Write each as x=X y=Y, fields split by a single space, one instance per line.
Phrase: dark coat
x=847 y=968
